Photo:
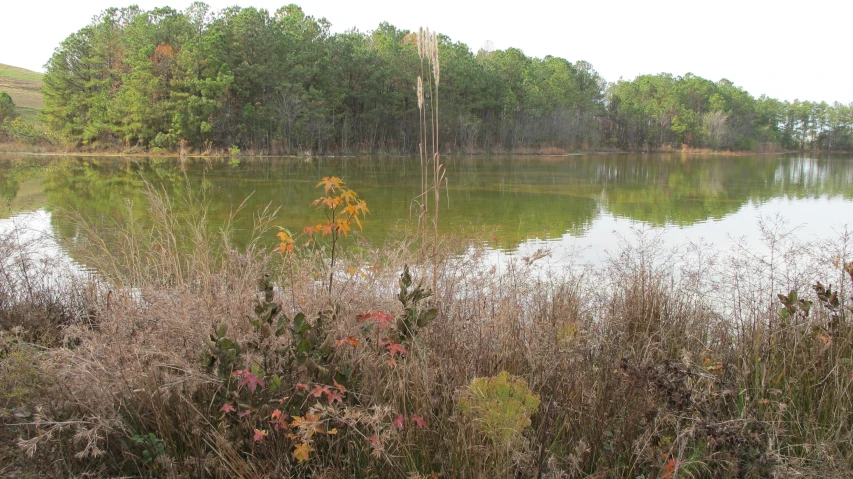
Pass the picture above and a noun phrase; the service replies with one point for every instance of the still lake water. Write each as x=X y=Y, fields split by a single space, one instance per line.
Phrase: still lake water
x=578 y=207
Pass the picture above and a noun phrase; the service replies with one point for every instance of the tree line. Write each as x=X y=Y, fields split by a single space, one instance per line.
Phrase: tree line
x=280 y=82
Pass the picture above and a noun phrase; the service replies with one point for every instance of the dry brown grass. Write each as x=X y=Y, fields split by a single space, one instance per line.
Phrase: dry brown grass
x=655 y=360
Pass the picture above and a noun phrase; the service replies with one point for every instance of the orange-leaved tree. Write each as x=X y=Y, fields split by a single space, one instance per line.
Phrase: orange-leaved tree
x=342 y=208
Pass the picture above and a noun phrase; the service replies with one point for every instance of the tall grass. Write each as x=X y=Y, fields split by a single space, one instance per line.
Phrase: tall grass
x=656 y=364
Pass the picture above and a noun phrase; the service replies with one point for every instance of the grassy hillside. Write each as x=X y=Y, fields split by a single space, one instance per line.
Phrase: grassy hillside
x=24 y=88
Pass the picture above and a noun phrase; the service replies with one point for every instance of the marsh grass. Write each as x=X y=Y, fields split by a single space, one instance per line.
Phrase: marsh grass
x=656 y=364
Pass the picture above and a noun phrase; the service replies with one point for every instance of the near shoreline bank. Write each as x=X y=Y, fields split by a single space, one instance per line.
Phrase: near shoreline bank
x=224 y=362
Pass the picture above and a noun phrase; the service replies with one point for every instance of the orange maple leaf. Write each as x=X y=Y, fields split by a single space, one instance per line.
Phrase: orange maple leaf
x=320 y=390
x=352 y=211
x=330 y=202
x=340 y=387
x=343 y=227
x=668 y=469
x=286 y=245
x=307 y=425
x=330 y=183
x=362 y=206
x=347 y=340
x=312 y=418
x=348 y=196
x=302 y=451
x=395 y=349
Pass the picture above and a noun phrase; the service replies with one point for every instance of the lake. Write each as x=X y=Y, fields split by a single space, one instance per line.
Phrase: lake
x=577 y=207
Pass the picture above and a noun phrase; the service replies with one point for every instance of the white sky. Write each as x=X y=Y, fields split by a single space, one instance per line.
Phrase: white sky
x=781 y=48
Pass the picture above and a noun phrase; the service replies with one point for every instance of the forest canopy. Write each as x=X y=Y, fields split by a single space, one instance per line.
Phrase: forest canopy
x=280 y=82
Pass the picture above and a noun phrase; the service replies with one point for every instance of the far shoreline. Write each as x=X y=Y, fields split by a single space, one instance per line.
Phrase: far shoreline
x=11 y=148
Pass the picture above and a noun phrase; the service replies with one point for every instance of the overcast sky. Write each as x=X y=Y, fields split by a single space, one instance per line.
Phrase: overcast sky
x=784 y=49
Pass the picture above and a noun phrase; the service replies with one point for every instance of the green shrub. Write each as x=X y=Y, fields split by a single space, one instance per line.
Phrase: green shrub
x=7 y=107
x=20 y=379
x=499 y=406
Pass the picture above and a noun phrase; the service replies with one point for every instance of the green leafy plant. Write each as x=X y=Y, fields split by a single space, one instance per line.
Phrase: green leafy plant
x=499 y=406
x=253 y=393
x=415 y=314
x=7 y=108
x=151 y=445
x=791 y=305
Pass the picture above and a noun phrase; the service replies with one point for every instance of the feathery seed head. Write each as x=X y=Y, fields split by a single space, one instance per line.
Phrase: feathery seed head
x=436 y=70
x=420 y=93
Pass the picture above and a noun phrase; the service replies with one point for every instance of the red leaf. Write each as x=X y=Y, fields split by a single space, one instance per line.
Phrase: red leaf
x=340 y=387
x=320 y=390
x=668 y=469
x=251 y=380
x=227 y=408
x=374 y=439
x=334 y=396
x=399 y=421
x=421 y=423
x=381 y=318
x=394 y=349
x=259 y=434
x=303 y=386
x=279 y=421
x=244 y=413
